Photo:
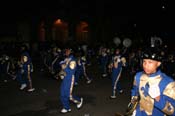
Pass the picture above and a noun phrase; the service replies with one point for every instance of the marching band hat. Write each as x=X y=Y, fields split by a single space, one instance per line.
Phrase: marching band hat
x=152 y=53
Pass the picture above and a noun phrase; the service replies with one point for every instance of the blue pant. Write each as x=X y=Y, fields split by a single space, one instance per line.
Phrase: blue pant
x=66 y=93
x=20 y=78
x=116 y=86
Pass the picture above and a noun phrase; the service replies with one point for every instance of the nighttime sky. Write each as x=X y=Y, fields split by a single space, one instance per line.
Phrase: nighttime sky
x=115 y=7
x=145 y=12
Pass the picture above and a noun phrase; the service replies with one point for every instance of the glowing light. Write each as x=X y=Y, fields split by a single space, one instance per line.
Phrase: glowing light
x=163 y=7
x=58 y=21
x=135 y=25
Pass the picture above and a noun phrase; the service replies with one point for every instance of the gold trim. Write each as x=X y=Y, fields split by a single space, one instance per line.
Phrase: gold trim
x=72 y=65
x=71 y=90
x=170 y=90
x=168 y=109
x=146 y=102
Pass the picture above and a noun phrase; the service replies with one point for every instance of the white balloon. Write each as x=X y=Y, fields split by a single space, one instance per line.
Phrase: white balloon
x=154 y=40
x=117 y=41
x=84 y=47
x=127 y=42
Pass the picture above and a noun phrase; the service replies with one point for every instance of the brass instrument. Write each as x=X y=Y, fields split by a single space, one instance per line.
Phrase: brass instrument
x=63 y=64
x=62 y=74
x=131 y=107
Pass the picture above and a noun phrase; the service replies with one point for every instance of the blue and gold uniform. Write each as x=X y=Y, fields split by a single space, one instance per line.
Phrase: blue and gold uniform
x=148 y=104
x=152 y=89
x=67 y=85
x=81 y=70
x=26 y=70
x=116 y=66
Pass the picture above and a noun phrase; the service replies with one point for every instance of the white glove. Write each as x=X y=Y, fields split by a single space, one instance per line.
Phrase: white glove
x=62 y=77
x=22 y=71
x=154 y=91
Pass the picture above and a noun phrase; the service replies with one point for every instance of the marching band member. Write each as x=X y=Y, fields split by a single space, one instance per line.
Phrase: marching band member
x=104 y=58
x=5 y=68
x=25 y=70
x=66 y=92
x=152 y=89
x=116 y=68
x=81 y=70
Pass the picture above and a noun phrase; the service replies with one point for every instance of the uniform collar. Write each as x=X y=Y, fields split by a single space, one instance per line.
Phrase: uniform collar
x=158 y=72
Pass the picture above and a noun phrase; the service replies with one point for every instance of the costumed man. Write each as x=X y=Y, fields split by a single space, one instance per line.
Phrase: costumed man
x=81 y=70
x=55 y=67
x=25 y=70
x=66 y=92
x=104 y=58
x=153 y=90
x=8 y=68
x=4 y=68
x=116 y=67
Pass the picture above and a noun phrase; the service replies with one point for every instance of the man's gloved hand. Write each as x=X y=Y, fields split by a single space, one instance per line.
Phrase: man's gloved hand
x=154 y=90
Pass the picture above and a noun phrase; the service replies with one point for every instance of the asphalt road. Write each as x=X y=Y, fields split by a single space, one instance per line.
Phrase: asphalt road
x=44 y=101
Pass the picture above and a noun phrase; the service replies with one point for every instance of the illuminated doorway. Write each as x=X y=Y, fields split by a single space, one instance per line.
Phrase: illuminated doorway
x=42 y=32
x=82 y=32
x=60 y=31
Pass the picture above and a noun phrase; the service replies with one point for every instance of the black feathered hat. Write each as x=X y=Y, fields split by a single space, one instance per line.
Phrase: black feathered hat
x=153 y=53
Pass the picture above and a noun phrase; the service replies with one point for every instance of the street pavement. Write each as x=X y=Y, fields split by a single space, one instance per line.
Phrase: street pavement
x=44 y=101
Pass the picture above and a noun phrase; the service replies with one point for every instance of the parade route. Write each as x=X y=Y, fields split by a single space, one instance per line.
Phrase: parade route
x=44 y=101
